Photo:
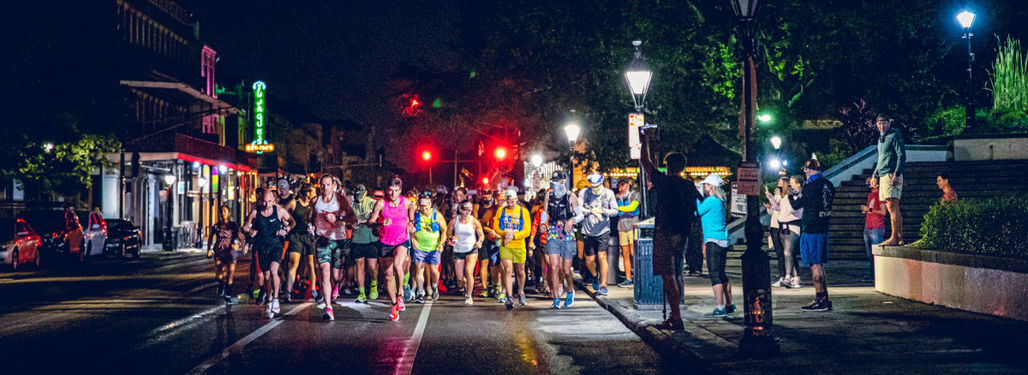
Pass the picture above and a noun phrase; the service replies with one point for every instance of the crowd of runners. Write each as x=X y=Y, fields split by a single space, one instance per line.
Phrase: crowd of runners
x=329 y=243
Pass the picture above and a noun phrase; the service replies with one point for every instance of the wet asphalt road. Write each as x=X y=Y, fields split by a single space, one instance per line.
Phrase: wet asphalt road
x=158 y=315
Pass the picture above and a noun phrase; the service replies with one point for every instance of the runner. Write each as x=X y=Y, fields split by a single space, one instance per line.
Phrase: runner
x=537 y=248
x=300 y=242
x=365 y=245
x=429 y=229
x=513 y=224
x=466 y=237
x=394 y=215
x=628 y=213
x=268 y=224
x=563 y=210
x=221 y=245
x=600 y=206
x=285 y=193
x=488 y=254
x=331 y=213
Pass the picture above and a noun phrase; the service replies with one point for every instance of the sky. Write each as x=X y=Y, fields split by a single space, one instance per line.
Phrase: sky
x=332 y=57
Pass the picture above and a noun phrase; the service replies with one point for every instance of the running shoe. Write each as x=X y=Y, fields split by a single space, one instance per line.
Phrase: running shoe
x=468 y=301
x=394 y=313
x=510 y=304
x=335 y=293
x=730 y=308
x=569 y=300
x=669 y=324
x=322 y=304
x=221 y=290
x=275 y=306
x=780 y=283
x=228 y=300
x=288 y=298
x=625 y=284
x=361 y=298
x=556 y=304
x=719 y=311
x=399 y=304
x=261 y=297
x=435 y=293
x=501 y=297
x=485 y=294
x=818 y=305
x=521 y=300
x=419 y=299
x=795 y=283
x=602 y=291
x=596 y=285
x=347 y=291
x=328 y=314
x=373 y=293
x=270 y=311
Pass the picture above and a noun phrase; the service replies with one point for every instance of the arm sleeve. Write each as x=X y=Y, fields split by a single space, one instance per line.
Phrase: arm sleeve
x=612 y=203
x=632 y=205
x=901 y=153
x=776 y=202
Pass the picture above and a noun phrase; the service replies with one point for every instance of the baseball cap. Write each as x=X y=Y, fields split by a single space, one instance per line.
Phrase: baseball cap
x=713 y=180
x=558 y=175
x=511 y=193
x=360 y=189
x=595 y=179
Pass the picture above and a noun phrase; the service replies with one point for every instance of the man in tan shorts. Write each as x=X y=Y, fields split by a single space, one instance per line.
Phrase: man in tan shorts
x=889 y=172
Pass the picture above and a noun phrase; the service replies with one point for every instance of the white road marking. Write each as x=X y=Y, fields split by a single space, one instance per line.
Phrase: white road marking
x=243 y=342
x=406 y=362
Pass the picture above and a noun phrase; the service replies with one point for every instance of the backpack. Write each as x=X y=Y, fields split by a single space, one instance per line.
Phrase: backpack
x=435 y=223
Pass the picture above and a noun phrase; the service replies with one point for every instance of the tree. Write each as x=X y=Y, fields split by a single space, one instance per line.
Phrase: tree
x=63 y=168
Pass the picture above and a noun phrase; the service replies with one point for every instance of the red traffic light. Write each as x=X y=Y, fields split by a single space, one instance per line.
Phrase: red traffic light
x=426 y=155
x=501 y=153
x=485 y=180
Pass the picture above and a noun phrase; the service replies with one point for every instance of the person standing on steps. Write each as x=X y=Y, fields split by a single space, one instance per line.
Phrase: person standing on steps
x=874 y=222
x=672 y=221
x=599 y=205
x=816 y=200
x=949 y=196
x=892 y=156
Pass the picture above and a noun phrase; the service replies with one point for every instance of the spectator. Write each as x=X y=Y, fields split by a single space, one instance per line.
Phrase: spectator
x=628 y=207
x=694 y=247
x=949 y=196
x=874 y=222
x=891 y=158
x=773 y=207
x=816 y=201
x=673 y=219
x=715 y=234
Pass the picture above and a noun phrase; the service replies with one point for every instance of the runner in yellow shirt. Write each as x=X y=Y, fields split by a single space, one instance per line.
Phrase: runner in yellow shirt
x=513 y=223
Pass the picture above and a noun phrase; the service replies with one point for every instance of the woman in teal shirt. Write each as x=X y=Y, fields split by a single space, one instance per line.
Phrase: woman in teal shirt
x=715 y=235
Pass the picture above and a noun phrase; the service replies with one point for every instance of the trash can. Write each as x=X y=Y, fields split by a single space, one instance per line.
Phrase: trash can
x=649 y=288
x=613 y=257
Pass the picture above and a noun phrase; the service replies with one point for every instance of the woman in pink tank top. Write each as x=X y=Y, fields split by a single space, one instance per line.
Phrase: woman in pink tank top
x=393 y=214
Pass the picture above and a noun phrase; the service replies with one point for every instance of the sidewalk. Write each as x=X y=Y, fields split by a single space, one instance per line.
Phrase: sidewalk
x=867 y=332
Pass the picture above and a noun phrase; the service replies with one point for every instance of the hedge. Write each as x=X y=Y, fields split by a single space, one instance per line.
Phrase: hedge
x=996 y=227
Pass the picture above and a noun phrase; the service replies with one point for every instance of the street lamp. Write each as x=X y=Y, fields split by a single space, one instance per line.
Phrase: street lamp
x=776 y=142
x=48 y=147
x=756 y=265
x=638 y=75
x=966 y=19
x=572 y=130
x=537 y=160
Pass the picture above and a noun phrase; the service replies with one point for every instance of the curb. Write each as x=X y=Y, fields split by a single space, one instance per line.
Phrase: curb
x=661 y=342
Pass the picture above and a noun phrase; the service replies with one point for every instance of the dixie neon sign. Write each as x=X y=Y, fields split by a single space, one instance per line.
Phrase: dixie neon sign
x=258 y=120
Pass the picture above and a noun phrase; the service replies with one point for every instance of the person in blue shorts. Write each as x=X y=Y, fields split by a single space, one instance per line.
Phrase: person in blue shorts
x=816 y=202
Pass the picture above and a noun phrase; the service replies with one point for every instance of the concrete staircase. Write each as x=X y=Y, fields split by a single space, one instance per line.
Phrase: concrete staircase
x=970 y=179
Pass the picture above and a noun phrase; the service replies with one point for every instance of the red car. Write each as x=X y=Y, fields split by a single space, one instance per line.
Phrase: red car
x=21 y=243
x=60 y=232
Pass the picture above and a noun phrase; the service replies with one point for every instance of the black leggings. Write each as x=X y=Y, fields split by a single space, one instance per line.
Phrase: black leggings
x=716 y=258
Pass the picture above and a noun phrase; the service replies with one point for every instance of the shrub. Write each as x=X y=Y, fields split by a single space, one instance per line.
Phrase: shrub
x=996 y=227
x=1009 y=78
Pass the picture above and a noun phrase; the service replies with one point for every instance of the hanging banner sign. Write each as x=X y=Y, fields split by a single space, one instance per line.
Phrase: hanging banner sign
x=635 y=121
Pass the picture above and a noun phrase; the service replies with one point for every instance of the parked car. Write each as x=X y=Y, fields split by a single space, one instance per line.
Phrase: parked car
x=20 y=243
x=123 y=237
x=95 y=232
x=59 y=232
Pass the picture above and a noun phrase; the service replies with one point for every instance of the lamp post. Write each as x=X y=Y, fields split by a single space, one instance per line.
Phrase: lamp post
x=966 y=19
x=638 y=76
x=756 y=265
x=572 y=130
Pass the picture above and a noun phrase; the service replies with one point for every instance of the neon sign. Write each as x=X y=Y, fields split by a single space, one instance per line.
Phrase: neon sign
x=258 y=117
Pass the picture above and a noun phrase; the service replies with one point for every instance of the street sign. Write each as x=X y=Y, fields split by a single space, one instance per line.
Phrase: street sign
x=748 y=181
x=738 y=203
x=635 y=121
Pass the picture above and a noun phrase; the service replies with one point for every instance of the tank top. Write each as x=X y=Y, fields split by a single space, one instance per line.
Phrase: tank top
x=395 y=233
x=466 y=236
x=226 y=233
x=332 y=231
x=267 y=227
x=301 y=214
x=427 y=231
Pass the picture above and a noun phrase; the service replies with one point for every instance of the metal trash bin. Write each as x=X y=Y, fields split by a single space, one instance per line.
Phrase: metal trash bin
x=649 y=288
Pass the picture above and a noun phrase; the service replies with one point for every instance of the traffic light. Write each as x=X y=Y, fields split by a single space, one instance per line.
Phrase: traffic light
x=485 y=181
x=426 y=155
x=501 y=153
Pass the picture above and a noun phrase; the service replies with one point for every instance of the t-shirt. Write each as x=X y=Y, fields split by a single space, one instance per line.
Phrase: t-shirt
x=872 y=219
x=677 y=208
x=363 y=234
x=517 y=220
x=225 y=234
